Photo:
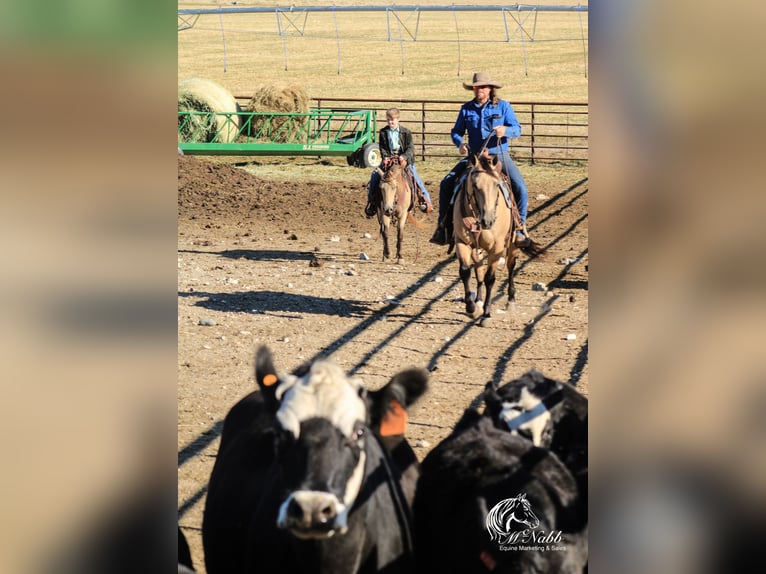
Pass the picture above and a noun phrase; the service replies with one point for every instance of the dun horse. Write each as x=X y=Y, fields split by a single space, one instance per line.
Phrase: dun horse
x=394 y=206
x=484 y=227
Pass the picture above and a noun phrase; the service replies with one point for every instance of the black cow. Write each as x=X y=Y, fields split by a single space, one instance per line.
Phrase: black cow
x=494 y=496
x=304 y=481
x=185 y=563
x=550 y=413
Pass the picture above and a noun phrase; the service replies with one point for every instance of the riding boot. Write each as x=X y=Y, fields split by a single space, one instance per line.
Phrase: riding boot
x=448 y=231
x=440 y=236
x=370 y=210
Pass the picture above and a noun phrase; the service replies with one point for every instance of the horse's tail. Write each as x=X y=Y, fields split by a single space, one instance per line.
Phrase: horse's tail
x=534 y=250
x=413 y=221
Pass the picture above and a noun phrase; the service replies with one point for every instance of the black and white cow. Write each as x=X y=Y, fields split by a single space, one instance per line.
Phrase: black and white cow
x=305 y=481
x=552 y=414
x=496 y=497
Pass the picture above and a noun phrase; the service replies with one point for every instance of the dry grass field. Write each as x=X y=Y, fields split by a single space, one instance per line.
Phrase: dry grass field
x=348 y=54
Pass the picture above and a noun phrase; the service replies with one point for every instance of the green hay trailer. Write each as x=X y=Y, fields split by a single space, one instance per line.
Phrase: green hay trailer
x=320 y=132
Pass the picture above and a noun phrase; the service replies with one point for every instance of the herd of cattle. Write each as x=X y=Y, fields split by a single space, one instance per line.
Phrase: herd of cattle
x=314 y=474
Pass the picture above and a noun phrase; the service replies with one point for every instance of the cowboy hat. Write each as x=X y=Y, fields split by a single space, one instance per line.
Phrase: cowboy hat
x=482 y=79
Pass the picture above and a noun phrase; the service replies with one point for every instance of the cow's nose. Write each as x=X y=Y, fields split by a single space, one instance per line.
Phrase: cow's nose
x=312 y=512
x=323 y=513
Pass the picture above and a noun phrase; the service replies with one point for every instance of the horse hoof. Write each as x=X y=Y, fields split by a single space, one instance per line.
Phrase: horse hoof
x=470 y=310
x=485 y=321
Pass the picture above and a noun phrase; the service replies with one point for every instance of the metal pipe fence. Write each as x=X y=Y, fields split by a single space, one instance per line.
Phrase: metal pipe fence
x=551 y=131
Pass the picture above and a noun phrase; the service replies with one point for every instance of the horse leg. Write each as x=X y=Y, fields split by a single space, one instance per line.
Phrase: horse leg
x=465 y=276
x=489 y=283
x=481 y=271
x=511 y=285
x=400 y=237
x=384 y=234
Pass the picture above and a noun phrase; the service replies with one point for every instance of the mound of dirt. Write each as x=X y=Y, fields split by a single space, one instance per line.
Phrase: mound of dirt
x=217 y=193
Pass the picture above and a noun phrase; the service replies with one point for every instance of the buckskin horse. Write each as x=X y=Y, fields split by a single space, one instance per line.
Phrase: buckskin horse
x=484 y=227
x=394 y=206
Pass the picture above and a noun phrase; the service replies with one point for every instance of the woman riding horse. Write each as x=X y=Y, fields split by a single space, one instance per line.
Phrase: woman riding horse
x=490 y=122
x=484 y=224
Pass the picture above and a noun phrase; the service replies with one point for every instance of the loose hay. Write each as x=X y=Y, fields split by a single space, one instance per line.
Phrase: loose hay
x=289 y=98
x=199 y=95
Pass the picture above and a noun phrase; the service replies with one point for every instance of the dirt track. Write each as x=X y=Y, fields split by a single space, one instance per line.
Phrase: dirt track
x=279 y=264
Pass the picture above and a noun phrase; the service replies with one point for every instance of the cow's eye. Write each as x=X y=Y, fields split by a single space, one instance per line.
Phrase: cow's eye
x=356 y=437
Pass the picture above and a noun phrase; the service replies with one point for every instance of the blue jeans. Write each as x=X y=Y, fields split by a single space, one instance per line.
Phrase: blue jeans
x=375 y=181
x=519 y=188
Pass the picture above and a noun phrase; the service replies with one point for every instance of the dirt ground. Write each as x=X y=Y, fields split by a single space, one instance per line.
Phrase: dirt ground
x=279 y=263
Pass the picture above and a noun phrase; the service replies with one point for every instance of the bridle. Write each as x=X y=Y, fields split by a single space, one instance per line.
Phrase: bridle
x=469 y=205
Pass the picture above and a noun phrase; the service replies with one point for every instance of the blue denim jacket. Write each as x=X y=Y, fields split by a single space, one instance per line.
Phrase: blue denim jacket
x=478 y=121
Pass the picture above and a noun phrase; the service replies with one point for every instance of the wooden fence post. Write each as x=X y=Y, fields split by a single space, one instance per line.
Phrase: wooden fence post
x=532 y=143
x=423 y=131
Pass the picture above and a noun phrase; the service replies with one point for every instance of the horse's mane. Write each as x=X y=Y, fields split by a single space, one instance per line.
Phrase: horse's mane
x=488 y=164
x=393 y=171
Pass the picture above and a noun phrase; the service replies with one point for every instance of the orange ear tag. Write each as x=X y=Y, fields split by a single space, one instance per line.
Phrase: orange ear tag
x=269 y=379
x=395 y=421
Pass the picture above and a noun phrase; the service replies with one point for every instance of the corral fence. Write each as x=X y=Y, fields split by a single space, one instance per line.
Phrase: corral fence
x=551 y=131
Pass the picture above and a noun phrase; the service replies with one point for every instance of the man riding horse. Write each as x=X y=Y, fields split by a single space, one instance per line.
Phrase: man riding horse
x=395 y=142
x=490 y=122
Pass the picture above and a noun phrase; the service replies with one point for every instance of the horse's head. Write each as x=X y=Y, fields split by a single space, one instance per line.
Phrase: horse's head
x=484 y=187
x=392 y=187
x=501 y=517
x=521 y=511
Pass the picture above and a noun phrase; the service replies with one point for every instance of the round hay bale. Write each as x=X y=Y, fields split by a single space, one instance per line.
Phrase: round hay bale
x=279 y=97
x=199 y=95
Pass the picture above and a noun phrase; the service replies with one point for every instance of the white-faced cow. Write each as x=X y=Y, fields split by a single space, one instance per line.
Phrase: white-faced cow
x=313 y=474
x=550 y=413
x=495 y=496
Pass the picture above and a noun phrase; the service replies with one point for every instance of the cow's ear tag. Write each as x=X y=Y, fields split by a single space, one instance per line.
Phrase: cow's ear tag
x=395 y=421
x=269 y=380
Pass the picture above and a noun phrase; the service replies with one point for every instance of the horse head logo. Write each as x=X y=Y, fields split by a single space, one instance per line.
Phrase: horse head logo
x=502 y=516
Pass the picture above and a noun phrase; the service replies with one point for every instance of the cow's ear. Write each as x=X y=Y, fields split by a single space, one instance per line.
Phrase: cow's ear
x=493 y=403
x=266 y=375
x=407 y=386
x=388 y=405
